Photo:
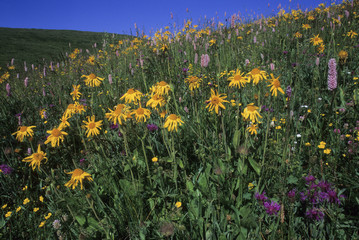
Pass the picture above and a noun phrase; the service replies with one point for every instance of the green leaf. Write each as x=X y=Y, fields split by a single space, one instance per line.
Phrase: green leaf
x=255 y=166
x=292 y=180
x=236 y=138
x=80 y=219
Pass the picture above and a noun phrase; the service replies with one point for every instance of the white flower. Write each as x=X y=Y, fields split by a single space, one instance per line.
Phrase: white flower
x=298 y=135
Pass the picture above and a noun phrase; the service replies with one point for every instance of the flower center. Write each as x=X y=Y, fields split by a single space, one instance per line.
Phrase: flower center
x=140 y=111
x=251 y=108
x=276 y=83
x=119 y=109
x=92 y=76
x=162 y=84
x=23 y=129
x=77 y=172
x=255 y=71
x=172 y=117
x=38 y=157
x=215 y=100
x=131 y=91
x=56 y=132
x=92 y=125
x=237 y=78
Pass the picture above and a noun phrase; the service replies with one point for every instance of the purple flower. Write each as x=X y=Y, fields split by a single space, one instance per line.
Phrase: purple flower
x=152 y=127
x=315 y=214
x=114 y=126
x=260 y=197
x=272 y=208
x=82 y=160
x=285 y=52
x=310 y=179
x=332 y=74
x=291 y=193
x=204 y=60
x=8 y=91
x=288 y=91
x=6 y=169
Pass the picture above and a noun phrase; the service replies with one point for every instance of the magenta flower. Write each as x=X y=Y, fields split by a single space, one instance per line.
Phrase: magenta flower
x=204 y=60
x=272 y=208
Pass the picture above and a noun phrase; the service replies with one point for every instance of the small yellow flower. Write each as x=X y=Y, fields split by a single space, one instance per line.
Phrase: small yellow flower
x=215 y=101
x=307 y=144
x=250 y=186
x=24 y=188
x=18 y=209
x=253 y=129
x=327 y=151
x=42 y=224
x=26 y=201
x=154 y=159
x=36 y=209
x=178 y=204
x=8 y=214
x=41 y=198
x=4 y=206
x=321 y=145
x=48 y=216
x=278 y=127
x=306 y=26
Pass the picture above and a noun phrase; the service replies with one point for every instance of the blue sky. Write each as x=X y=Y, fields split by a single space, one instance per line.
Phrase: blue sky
x=117 y=16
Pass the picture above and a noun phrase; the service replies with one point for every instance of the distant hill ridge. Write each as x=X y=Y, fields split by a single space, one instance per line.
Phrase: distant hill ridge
x=34 y=45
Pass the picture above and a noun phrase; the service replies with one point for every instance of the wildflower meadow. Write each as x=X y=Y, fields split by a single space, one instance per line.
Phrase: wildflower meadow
x=242 y=129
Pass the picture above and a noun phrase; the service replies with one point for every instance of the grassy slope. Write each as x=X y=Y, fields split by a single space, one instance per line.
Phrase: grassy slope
x=34 y=45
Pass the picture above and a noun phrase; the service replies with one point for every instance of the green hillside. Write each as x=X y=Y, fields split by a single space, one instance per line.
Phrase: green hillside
x=34 y=45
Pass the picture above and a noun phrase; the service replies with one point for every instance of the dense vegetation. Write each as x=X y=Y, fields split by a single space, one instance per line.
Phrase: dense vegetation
x=37 y=46
x=220 y=131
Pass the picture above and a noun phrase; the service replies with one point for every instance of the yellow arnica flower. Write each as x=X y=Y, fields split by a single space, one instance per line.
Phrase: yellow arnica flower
x=36 y=158
x=24 y=131
x=316 y=40
x=238 y=80
x=253 y=129
x=298 y=35
x=56 y=135
x=75 y=93
x=352 y=34
x=91 y=60
x=161 y=88
x=306 y=26
x=78 y=175
x=132 y=95
x=64 y=123
x=118 y=114
x=256 y=75
x=156 y=100
x=216 y=101
x=92 y=80
x=275 y=85
x=343 y=55
x=172 y=122
x=154 y=159
x=250 y=112
x=92 y=126
x=141 y=114
x=194 y=82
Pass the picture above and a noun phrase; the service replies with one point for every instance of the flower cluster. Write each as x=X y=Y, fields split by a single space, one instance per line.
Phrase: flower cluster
x=271 y=207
